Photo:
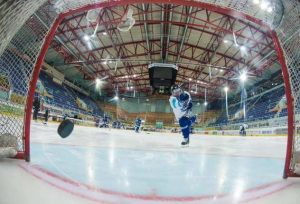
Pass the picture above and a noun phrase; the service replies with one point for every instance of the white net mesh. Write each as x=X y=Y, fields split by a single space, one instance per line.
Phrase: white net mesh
x=289 y=34
x=24 y=25
x=16 y=66
x=13 y=14
x=8 y=144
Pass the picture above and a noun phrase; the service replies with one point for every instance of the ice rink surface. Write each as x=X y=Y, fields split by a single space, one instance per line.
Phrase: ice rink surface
x=120 y=166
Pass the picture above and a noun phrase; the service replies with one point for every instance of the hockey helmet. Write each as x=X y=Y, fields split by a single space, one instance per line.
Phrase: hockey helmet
x=175 y=90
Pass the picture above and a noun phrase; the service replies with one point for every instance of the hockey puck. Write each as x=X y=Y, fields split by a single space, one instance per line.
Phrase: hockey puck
x=65 y=128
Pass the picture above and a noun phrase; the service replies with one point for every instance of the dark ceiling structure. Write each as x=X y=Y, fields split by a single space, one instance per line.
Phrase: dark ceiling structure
x=209 y=48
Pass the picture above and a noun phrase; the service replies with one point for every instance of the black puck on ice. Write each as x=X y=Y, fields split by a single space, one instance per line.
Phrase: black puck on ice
x=65 y=128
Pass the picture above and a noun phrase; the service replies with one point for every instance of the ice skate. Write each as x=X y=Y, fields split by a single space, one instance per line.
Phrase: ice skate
x=185 y=142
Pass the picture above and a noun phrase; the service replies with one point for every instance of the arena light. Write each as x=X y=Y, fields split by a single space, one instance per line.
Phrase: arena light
x=104 y=33
x=205 y=103
x=225 y=41
x=270 y=9
x=106 y=60
x=256 y=1
x=89 y=44
x=244 y=51
x=243 y=76
x=86 y=37
x=116 y=97
x=226 y=89
x=264 y=5
x=243 y=48
x=98 y=81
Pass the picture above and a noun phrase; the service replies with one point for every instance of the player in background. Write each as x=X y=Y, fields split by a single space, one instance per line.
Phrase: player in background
x=138 y=123
x=181 y=103
x=105 y=122
x=243 y=128
x=46 y=115
x=36 y=107
x=65 y=116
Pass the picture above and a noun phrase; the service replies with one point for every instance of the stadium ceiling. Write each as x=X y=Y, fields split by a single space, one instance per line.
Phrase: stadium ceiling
x=210 y=49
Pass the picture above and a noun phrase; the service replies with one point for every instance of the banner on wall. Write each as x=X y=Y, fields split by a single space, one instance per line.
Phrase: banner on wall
x=53 y=72
x=81 y=104
x=282 y=104
x=40 y=88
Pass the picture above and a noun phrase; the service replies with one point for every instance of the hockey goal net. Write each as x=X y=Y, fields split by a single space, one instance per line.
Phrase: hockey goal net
x=26 y=27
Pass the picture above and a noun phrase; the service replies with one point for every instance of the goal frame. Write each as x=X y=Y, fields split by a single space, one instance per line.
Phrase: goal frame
x=211 y=7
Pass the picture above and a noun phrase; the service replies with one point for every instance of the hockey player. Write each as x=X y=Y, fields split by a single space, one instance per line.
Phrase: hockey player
x=181 y=103
x=243 y=129
x=46 y=115
x=105 y=122
x=138 y=123
x=65 y=116
x=36 y=107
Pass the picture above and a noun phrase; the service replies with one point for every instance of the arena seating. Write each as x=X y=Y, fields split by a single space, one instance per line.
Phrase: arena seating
x=65 y=97
x=15 y=70
x=61 y=96
x=258 y=108
x=88 y=101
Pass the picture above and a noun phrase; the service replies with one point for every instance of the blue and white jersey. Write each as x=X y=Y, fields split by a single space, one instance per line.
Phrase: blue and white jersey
x=138 y=122
x=181 y=105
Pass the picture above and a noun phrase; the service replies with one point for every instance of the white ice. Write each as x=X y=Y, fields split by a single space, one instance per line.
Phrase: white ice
x=120 y=166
